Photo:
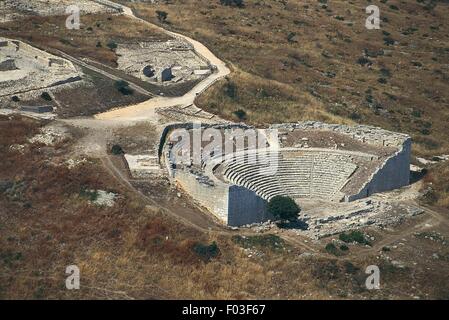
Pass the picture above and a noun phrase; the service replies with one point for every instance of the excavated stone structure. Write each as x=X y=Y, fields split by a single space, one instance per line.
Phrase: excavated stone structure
x=313 y=161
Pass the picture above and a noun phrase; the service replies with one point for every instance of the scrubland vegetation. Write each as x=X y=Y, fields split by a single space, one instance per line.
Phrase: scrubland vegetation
x=135 y=250
x=301 y=60
x=97 y=38
x=437 y=184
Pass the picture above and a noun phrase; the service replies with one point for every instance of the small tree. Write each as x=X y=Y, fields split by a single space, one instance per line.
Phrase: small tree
x=46 y=96
x=206 y=252
x=237 y=3
x=241 y=114
x=161 y=16
x=283 y=208
x=123 y=87
x=231 y=89
x=112 y=45
x=291 y=37
x=117 y=150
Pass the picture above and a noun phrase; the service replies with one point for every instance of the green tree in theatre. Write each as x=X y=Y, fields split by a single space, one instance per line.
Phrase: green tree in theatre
x=283 y=207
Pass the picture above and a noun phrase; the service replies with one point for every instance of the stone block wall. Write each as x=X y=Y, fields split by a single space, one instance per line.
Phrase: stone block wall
x=394 y=173
x=213 y=198
x=246 y=207
x=233 y=205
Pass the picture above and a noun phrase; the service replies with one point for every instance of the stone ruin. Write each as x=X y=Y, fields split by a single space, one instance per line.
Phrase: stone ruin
x=142 y=166
x=165 y=74
x=315 y=163
x=24 y=68
x=163 y=62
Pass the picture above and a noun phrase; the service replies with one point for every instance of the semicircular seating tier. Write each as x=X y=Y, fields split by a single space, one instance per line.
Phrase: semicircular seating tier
x=304 y=174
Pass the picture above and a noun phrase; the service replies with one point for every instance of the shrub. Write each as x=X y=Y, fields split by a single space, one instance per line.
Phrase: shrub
x=344 y=247
x=241 y=114
x=354 y=116
x=389 y=41
x=261 y=242
x=121 y=84
x=363 y=61
x=291 y=37
x=91 y=195
x=231 y=90
x=65 y=41
x=430 y=5
x=332 y=249
x=112 y=45
x=206 y=252
x=161 y=16
x=283 y=208
x=237 y=3
x=15 y=99
x=354 y=236
x=117 y=150
x=123 y=87
x=416 y=113
x=409 y=31
x=296 y=224
x=385 y=72
x=350 y=268
x=46 y=96
x=425 y=131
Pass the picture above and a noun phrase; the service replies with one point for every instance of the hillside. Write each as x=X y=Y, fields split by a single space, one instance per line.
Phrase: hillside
x=297 y=60
x=69 y=196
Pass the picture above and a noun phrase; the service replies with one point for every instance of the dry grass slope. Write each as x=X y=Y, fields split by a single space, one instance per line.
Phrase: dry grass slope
x=95 y=39
x=298 y=60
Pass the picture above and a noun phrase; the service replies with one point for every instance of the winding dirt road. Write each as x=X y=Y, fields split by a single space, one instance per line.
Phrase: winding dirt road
x=100 y=128
x=145 y=110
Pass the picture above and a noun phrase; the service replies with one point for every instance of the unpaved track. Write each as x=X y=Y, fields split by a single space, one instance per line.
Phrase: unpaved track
x=145 y=110
x=198 y=221
x=104 y=73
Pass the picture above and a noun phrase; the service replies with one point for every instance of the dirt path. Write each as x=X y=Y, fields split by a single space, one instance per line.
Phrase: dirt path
x=103 y=72
x=197 y=220
x=145 y=110
x=389 y=240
